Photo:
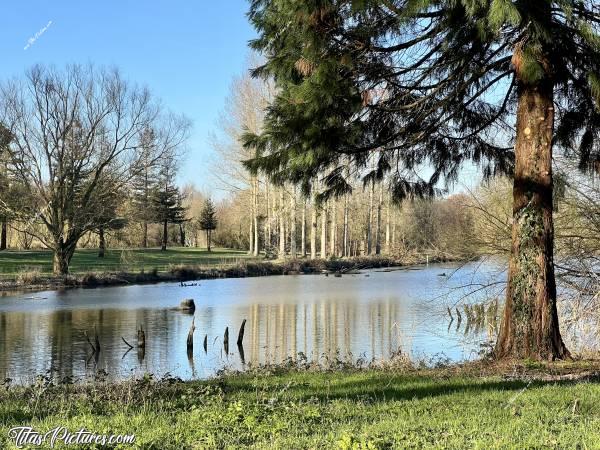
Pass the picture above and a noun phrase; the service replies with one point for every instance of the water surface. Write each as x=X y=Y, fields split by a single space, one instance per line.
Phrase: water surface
x=368 y=316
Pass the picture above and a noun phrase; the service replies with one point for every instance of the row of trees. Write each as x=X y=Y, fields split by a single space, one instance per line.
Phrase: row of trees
x=275 y=216
x=367 y=222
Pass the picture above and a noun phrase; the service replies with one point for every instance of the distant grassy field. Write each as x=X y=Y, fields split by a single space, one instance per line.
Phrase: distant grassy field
x=338 y=410
x=133 y=260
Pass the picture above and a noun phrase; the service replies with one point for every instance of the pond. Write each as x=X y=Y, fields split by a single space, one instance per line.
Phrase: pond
x=368 y=316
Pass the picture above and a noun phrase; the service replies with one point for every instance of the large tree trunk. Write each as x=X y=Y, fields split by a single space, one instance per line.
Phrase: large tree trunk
x=529 y=326
x=324 y=231
x=3 y=233
x=165 y=236
x=101 y=243
x=62 y=257
x=313 y=231
x=208 y=239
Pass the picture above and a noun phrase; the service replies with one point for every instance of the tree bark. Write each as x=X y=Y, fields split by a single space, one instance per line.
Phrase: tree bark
x=387 y=224
x=313 y=231
x=346 y=250
x=378 y=230
x=255 y=216
x=530 y=327
x=145 y=235
x=208 y=236
x=303 y=232
x=62 y=257
x=324 y=231
x=251 y=236
x=101 y=243
x=165 y=235
x=3 y=235
x=333 y=233
x=370 y=220
x=281 y=224
x=182 y=234
x=268 y=232
x=293 y=251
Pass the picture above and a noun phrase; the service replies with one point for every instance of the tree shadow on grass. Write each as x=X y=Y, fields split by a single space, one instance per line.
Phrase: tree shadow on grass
x=383 y=388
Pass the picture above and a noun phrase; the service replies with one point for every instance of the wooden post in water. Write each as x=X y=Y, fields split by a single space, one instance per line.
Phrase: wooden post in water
x=141 y=338
x=241 y=334
x=226 y=341
x=190 y=337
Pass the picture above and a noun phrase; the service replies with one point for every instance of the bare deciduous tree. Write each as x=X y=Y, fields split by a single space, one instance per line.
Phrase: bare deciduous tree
x=72 y=128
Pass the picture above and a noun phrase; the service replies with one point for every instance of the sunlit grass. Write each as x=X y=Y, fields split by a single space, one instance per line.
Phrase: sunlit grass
x=134 y=260
x=347 y=409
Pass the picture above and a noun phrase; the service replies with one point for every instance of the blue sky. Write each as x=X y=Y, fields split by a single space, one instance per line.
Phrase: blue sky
x=185 y=51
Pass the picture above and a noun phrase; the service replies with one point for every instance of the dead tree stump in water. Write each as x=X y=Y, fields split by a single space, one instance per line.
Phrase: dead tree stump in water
x=226 y=340
x=190 y=337
x=141 y=338
x=241 y=334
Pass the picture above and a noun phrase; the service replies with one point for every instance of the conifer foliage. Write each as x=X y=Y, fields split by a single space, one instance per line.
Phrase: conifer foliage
x=208 y=221
x=375 y=87
x=167 y=200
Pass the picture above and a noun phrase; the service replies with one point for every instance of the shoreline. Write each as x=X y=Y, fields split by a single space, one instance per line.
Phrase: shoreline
x=184 y=273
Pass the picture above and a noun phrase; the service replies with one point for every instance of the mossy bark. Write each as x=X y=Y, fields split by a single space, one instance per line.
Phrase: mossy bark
x=530 y=327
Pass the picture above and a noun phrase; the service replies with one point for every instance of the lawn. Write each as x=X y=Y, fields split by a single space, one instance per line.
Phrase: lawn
x=132 y=260
x=353 y=409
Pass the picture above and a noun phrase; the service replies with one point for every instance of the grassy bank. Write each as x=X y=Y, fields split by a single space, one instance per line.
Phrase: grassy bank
x=190 y=264
x=13 y=263
x=346 y=409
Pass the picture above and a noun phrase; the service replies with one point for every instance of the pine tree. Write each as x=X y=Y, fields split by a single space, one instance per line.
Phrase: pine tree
x=143 y=182
x=208 y=221
x=106 y=215
x=167 y=200
x=406 y=84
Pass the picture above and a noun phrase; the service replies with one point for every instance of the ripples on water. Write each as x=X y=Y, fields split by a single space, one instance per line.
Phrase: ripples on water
x=370 y=316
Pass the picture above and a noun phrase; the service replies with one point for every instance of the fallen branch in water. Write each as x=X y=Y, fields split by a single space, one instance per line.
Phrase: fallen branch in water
x=127 y=343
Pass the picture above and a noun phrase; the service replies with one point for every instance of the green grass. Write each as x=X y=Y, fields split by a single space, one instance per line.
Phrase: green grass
x=133 y=260
x=347 y=409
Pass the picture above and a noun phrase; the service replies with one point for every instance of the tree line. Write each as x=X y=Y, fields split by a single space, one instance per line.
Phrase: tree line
x=85 y=152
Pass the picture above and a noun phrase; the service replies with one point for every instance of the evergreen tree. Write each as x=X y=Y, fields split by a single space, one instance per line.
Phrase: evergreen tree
x=208 y=221
x=107 y=216
x=143 y=181
x=410 y=83
x=167 y=200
